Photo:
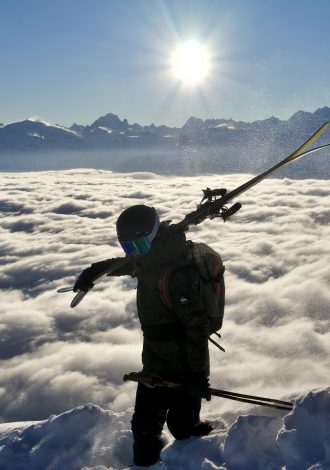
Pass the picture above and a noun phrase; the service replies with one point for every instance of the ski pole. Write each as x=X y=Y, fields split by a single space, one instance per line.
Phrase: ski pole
x=271 y=403
x=155 y=381
x=253 y=397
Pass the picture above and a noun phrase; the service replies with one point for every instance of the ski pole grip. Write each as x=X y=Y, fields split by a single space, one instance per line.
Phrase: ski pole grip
x=150 y=380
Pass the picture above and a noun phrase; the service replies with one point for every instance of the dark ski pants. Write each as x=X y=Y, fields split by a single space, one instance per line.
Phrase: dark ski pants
x=154 y=407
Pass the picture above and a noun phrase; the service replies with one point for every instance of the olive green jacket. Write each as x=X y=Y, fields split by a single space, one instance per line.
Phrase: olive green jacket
x=175 y=341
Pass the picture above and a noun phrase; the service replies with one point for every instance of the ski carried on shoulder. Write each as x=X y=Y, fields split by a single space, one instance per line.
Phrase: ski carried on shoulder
x=214 y=203
x=216 y=207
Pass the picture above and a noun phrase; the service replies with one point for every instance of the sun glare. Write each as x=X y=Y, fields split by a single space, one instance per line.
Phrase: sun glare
x=190 y=63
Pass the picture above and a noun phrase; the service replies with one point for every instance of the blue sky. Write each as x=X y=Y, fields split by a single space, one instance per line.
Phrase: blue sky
x=74 y=60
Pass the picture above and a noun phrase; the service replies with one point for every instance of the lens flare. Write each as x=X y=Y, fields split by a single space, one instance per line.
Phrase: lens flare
x=191 y=63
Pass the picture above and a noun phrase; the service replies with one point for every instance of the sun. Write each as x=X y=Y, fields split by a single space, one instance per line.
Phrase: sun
x=191 y=63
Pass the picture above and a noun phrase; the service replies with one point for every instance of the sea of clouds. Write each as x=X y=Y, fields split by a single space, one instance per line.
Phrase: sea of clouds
x=55 y=223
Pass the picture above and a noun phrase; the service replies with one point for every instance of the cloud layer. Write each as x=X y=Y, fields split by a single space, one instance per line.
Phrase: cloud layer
x=54 y=224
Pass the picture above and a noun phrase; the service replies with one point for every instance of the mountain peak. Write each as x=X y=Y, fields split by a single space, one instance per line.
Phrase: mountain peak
x=323 y=113
x=193 y=123
x=111 y=121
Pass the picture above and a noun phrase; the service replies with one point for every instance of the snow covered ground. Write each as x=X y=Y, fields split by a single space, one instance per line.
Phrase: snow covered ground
x=54 y=359
x=90 y=438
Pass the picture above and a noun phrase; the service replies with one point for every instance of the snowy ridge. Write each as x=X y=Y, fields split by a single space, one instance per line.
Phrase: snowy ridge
x=217 y=145
x=89 y=437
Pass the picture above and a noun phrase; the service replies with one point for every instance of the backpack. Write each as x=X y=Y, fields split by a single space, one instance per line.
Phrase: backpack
x=209 y=265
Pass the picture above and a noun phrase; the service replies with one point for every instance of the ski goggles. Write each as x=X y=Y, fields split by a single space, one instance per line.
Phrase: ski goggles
x=140 y=246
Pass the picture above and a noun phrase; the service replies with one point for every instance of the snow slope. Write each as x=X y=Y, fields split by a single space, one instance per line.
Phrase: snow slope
x=89 y=437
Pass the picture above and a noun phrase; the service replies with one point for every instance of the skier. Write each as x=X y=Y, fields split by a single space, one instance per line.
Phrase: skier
x=175 y=343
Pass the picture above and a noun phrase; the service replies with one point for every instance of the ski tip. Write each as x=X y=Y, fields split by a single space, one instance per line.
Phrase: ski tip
x=322 y=129
x=78 y=298
x=62 y=290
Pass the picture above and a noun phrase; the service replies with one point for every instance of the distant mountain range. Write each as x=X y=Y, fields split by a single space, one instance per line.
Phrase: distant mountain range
x=107 y=132
x=219 y=145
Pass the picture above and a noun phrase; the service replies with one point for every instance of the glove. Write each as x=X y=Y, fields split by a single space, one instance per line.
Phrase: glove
x=89 y=275
x=85 y=280
x=197 y=385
